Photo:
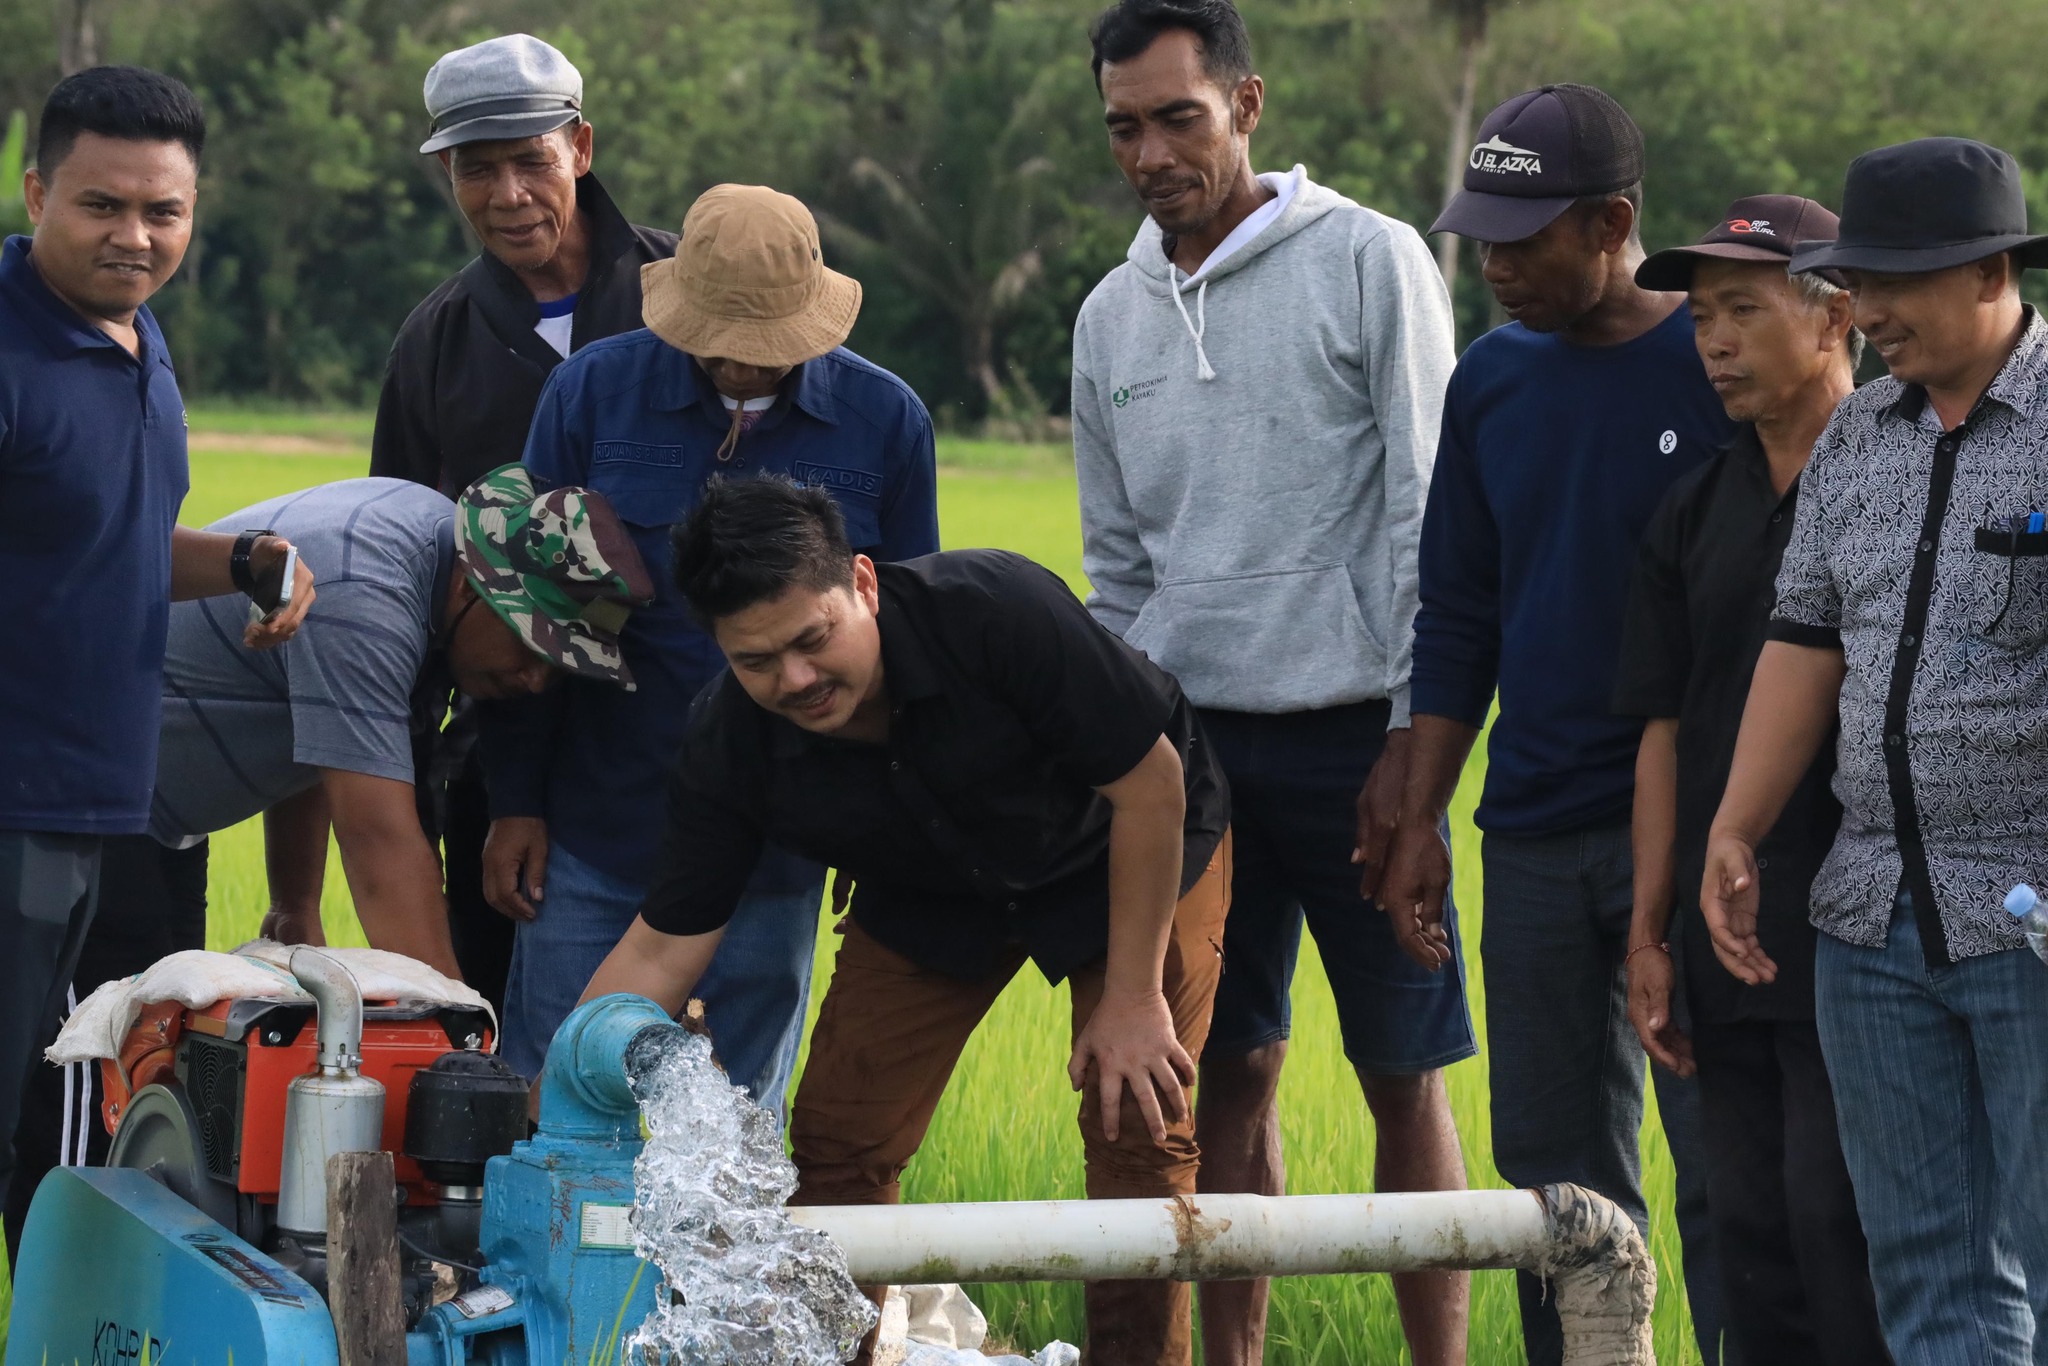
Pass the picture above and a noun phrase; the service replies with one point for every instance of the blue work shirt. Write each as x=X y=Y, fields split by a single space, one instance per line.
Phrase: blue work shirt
x=1553 y=457
x=92 y=472
x=637 y=420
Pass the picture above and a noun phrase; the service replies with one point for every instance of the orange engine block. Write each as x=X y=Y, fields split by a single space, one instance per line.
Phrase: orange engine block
x=235 y=1059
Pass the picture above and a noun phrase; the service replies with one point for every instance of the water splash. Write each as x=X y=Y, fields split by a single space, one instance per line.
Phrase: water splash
x=742 y=1285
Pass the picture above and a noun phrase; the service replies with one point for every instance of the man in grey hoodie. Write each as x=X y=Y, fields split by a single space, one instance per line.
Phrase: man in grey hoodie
x=1257 y=393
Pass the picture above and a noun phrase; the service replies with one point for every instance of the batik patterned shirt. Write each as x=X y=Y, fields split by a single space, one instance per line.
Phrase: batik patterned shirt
x=1912 y=553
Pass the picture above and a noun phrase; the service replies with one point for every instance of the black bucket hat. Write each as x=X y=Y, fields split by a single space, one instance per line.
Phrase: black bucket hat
x=1928 y=205
x=1538 y=154
x=1762 y=227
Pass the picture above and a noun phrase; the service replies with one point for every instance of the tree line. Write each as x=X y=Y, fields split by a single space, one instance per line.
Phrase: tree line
x=953 y=149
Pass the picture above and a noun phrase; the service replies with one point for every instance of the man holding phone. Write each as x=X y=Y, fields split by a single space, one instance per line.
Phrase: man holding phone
x=92 y=472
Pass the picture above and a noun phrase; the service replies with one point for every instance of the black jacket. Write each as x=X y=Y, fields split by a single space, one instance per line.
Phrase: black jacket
x=467 y=368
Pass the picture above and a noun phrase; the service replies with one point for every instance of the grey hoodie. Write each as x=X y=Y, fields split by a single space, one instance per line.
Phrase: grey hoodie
x=1253 y=475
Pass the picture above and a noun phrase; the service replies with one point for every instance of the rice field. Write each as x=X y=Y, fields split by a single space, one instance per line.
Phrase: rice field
x=1006 y=1128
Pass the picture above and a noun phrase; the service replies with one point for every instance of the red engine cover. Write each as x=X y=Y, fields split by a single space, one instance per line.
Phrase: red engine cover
x=396 y=1043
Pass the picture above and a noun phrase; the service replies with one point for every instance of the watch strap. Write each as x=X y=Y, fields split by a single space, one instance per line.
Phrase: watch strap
x=238 y=560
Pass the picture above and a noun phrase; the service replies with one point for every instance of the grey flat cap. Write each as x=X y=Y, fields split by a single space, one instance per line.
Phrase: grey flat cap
x=510 y=87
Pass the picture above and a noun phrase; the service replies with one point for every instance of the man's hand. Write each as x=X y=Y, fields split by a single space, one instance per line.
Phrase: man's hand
x=1728 y=900
x=1129 y=1042
x=1412 y=892
x=1379 y=811
x=516 y=866
x=294 y=927
x=1650 y=979
x=266 y=559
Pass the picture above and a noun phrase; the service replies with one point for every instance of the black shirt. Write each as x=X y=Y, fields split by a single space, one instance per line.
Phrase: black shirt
x=1698 y=609
x=466 y=371
x=976 y=826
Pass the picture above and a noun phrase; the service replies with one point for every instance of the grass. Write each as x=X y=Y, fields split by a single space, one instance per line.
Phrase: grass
x=1006 y=1128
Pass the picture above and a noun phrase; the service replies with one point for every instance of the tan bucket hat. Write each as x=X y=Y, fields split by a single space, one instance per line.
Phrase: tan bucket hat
x=748 y=282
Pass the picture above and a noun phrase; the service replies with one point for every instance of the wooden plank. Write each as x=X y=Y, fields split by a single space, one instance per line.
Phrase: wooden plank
x=363 y=1291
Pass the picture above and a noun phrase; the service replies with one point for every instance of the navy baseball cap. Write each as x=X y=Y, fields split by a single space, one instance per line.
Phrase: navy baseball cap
x=1763 y=227
x=1536 y=156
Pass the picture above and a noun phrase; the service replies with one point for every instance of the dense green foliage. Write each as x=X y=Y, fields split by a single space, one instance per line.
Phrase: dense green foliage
x=953 y=147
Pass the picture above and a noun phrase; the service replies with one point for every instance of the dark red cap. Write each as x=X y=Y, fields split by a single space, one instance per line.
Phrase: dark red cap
x=1763 y=227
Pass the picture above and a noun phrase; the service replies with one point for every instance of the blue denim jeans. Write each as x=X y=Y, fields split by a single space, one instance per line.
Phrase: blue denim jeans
x=1565 y=1066
x=1941 y=1087
x=754 y=995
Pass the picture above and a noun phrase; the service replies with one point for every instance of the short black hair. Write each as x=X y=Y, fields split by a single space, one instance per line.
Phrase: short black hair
x=751 y=540
x=1591 y=206
x=128 y=102
x=1128 y=27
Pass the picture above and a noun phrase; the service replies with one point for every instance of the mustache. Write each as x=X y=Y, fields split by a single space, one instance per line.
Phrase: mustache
x=810 y=697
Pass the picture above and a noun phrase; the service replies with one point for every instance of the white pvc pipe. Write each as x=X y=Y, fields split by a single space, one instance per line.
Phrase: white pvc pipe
x=1202 y=1238
x=1603 y=1278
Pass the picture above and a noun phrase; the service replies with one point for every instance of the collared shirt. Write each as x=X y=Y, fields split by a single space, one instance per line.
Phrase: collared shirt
x=638 y=421
x=977 y=825
x=1904 y=559
x=467 y=368
x=1697 y=611
x=92 y=472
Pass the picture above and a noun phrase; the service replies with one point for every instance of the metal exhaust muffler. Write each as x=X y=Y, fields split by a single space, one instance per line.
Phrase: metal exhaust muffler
x=332 y=1110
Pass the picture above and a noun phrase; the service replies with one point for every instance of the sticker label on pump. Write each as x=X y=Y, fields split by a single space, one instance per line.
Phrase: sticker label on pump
x=607 y=1226
x=484 y=1299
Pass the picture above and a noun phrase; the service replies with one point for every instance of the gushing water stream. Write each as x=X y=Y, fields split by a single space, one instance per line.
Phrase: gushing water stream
x=742 y=1285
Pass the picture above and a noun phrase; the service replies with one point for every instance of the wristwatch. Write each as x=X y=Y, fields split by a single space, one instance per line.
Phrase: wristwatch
x=238 y=560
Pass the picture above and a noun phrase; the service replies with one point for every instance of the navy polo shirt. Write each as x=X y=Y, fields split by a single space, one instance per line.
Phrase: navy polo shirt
x=92 y=472
x=636 y=419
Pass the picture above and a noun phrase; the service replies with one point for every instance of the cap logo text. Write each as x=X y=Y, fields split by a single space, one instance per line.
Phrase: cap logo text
x=1504 y=158
x=1762 y=225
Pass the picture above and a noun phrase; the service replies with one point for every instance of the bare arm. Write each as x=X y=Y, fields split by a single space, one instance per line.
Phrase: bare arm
x=295 y=858
x=1654 y=835
x=392 y=872
x=1792 y=700
x=665 y=968
x=1418 y=861
x=1130 y=1040
x=200 y=569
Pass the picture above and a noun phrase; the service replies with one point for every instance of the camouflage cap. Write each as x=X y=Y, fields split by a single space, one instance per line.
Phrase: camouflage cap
x=557 y=567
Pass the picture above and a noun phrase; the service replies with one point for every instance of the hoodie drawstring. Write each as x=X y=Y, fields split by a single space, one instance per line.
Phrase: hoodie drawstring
x=1203 y=370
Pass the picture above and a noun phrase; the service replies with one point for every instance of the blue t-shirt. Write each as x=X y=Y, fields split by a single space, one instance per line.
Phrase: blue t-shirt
x=1553 y=457
x=633 y=418
x=245 y=729
x=92 y=472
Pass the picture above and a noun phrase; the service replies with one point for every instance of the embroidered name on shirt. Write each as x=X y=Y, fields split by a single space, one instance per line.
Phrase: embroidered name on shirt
x=635 y=453
x=1133 y=393
x=832 y=477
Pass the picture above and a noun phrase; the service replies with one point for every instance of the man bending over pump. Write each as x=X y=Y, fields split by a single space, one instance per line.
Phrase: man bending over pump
x=319 y=728
x=1004 y=780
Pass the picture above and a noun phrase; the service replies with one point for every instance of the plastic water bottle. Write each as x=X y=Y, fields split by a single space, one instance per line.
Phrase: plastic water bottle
x=2026 y=906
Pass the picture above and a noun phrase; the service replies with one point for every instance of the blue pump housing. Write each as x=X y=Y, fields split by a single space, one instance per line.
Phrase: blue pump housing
x=117 y=1271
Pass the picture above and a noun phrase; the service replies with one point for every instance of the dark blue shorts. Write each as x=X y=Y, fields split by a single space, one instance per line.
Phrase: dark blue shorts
x=1294 y=783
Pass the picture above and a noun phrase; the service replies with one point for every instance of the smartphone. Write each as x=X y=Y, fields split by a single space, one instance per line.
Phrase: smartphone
x=259 y=610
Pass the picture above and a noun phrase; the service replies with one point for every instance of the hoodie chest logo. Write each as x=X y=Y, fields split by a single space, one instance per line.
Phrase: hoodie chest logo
x=1128 y=394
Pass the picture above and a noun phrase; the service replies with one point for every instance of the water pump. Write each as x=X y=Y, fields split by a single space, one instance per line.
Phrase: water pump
x=206 y=1241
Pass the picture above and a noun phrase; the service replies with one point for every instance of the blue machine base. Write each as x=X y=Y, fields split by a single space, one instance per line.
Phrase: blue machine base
x=117 y=1271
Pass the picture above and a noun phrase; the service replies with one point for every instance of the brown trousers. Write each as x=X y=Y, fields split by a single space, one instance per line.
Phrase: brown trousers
x=888 y=1037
